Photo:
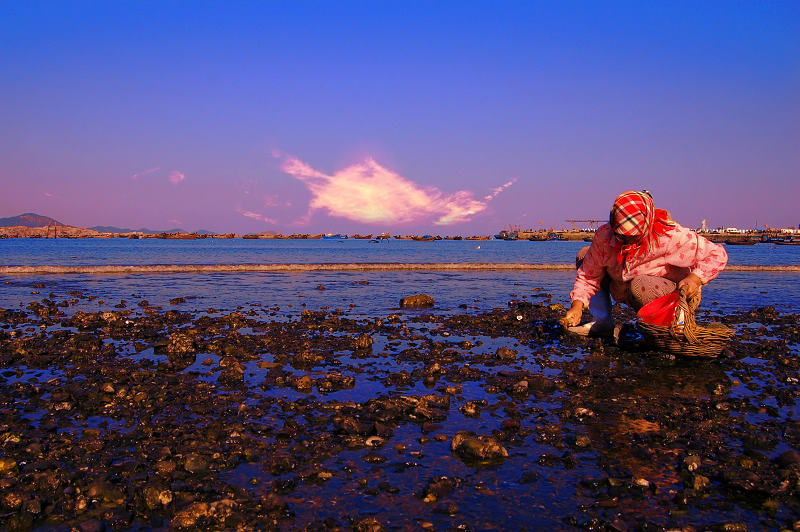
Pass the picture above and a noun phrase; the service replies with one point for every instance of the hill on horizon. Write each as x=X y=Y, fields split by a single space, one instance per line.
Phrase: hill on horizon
x=114 y=229
x=28 y=219
x=31 y=219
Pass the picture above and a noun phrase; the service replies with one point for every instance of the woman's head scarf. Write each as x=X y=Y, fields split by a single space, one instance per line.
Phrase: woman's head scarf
x=637 y=223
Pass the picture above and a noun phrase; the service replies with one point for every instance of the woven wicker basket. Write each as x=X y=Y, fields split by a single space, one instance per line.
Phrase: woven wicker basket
x=688 y=339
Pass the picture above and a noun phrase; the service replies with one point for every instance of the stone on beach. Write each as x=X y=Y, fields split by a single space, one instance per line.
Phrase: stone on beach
x=180 y=344
x=471 y=447
x=416 y=301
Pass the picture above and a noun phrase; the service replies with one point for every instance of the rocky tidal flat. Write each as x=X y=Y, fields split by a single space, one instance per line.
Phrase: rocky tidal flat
x=151 y=418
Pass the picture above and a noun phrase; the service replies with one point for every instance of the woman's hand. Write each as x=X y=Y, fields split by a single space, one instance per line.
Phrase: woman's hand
x=690 y=285
x=573 y=315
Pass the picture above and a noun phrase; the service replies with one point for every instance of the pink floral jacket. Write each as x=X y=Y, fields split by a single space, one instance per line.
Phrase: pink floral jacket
x=674 y=256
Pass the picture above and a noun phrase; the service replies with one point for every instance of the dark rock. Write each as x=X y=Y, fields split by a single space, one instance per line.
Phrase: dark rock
x=448 y=508
x=303 y=384
x=305 y=360
x=473 y=408
x=195 y=463
x=374 y=458
x=91 y=525
x=368 y=524
x=180 y=344
x=363 y=341
x=273 y=503
x=788 y=459
x=417 y=301
x=440 y=486
x=468 y=446
x=505 y=354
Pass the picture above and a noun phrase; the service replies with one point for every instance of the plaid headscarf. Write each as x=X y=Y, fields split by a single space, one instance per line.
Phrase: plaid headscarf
x=633 y=216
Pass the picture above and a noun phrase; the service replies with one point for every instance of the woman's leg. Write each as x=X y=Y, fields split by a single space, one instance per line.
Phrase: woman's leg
x=600 y=303
x=645 y=288
x=599 y=306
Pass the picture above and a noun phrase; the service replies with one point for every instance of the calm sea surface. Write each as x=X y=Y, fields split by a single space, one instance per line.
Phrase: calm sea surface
x=360 y=293
x=122 y=251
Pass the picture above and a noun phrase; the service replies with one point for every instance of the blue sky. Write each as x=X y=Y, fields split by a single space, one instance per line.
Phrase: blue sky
x=430 y=117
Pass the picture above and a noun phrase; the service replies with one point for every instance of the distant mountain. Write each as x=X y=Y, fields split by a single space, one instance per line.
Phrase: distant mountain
x=28 y=219
x=112 y=229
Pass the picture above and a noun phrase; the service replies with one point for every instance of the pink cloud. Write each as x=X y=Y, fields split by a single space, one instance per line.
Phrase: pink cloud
x=137 y=175
x=368 y=192
x=245 y=185
x=176 y=177
x=256 y=216
x=497 y=190
x=48 y=194
x=271 y=200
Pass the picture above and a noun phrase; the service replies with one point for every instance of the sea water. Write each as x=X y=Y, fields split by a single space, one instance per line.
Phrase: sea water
x=123 y=251
x=360 y=293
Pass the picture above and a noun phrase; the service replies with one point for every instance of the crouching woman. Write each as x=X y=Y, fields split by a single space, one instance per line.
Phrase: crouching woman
x=640 y=255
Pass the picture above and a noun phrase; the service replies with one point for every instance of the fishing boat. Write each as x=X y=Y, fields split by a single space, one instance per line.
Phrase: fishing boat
x=506 y=235
x=331 y=236
x=740 y=242
x=545 y=237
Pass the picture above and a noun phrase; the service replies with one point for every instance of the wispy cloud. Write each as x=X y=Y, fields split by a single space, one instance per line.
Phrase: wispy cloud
x=137 y=175
x=245 y=185
x=497 y=190
x=48 y=195
x=256 y=216
x=175 y=221
x=176 y=177
x=368 y=192
x=271 y=200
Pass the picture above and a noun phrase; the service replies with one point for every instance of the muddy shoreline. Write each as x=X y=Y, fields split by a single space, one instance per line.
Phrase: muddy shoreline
x=150 y=418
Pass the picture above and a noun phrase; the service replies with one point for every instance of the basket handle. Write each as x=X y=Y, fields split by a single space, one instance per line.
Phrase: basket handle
x=688 y=304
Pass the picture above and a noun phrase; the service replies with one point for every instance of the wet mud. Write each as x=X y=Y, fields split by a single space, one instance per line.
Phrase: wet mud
x=148 y=418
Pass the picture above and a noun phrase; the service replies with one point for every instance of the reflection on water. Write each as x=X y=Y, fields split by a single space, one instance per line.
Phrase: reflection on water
x=365 y=294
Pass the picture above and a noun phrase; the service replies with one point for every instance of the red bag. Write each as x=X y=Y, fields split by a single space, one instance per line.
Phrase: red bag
x=660 y=311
